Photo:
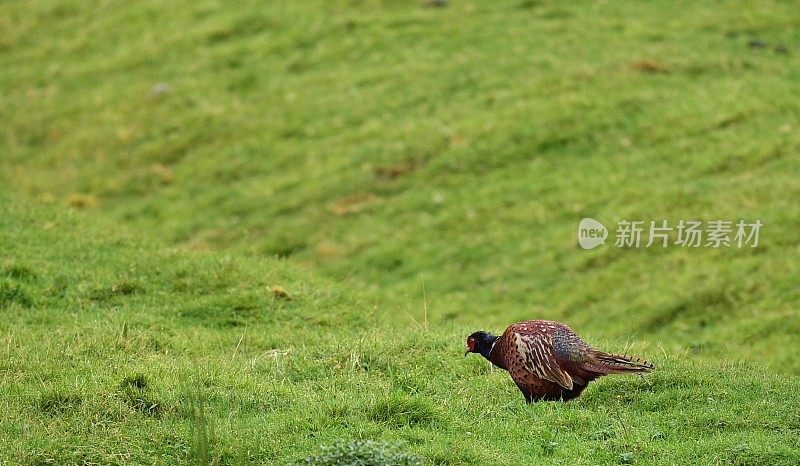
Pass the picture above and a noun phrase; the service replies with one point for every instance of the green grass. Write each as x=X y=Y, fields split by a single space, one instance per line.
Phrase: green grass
x=407 y=175
x=136 y=356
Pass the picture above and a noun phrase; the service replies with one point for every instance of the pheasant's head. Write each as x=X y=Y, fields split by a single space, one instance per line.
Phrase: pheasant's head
x=480 y=342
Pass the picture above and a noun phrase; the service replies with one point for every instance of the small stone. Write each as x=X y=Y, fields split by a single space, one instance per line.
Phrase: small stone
x=280 y=293
x=159 y=89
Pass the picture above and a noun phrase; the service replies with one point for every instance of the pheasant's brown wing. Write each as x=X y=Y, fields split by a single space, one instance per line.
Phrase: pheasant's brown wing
x=530 y=352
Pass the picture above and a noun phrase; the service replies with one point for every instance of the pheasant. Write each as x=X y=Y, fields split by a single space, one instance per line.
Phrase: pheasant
x=548 y=361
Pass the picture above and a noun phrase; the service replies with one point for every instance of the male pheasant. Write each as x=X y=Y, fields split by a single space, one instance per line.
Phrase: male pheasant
x=548 y=361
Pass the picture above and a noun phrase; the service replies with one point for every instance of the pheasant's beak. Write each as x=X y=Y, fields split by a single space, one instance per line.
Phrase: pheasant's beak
x=466 y=353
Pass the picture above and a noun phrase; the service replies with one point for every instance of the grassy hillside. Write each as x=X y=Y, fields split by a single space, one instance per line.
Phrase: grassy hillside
x=119 y=351
x=383 y=143
x=408 y=174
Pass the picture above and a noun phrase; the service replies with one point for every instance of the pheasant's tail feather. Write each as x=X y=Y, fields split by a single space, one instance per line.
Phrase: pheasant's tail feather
x=607 y=363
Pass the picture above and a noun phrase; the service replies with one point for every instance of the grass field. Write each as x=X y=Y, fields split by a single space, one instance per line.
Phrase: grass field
x=234 y=234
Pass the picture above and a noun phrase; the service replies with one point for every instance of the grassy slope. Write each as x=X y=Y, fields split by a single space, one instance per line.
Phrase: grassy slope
x=373 y=143
x=383 y=141
x=108 y=342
